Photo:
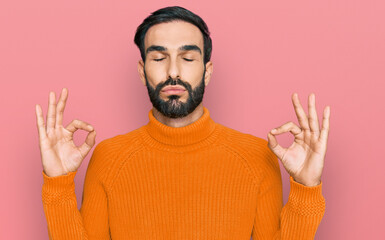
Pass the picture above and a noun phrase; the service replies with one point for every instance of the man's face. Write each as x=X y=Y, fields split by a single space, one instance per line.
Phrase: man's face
x=174 y=72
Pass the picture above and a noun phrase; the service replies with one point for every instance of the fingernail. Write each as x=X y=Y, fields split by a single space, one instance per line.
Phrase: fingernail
x=274 y=130
x=90 y=127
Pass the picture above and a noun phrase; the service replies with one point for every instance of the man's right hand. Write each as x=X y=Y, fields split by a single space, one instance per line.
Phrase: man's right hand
x=59 y=154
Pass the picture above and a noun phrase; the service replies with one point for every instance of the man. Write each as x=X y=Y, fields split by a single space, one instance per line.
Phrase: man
x=181 y=176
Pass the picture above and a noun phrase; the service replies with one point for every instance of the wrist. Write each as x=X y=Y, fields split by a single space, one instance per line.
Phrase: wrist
x=308 y=183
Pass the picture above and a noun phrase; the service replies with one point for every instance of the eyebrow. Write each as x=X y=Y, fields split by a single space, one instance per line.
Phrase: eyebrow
x=182 y=48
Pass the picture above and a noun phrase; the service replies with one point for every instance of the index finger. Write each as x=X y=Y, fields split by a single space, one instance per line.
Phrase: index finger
x=301 y=115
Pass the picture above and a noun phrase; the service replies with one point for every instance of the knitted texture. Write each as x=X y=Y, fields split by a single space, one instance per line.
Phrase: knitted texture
x=201 y=181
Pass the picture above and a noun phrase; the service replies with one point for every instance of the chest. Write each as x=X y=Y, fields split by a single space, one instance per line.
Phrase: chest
x=183 y=197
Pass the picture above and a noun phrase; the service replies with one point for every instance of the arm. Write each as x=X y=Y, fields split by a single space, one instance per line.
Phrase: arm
x=298 y=219
x=64 y=220
x=304 y=161
x=61 y=159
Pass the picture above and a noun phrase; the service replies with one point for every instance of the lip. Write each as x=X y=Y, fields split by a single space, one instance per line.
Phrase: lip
x=173 y=90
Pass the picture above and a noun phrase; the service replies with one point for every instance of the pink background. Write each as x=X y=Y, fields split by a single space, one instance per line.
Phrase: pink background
x=262 y=52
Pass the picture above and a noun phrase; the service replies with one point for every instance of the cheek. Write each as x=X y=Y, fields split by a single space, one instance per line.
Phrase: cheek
x=155 y=75
x=194 y=75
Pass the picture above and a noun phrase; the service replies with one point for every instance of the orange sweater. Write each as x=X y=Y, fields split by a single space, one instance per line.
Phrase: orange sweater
x=201 y=181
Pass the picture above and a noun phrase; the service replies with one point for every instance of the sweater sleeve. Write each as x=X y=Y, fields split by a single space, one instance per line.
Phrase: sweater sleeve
x=64 y=220
x=298 y=219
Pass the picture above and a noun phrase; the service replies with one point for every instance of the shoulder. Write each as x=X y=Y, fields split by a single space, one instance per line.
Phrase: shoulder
x=243 y=141
x=110 y=152
x=252 y=149
x=119 y=143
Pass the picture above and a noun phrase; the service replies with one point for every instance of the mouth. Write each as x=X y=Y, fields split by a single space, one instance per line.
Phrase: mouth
x=173 y=90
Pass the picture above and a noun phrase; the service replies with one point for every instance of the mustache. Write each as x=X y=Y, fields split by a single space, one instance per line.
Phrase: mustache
x=173 y=82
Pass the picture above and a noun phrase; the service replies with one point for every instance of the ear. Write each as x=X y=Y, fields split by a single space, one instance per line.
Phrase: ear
x=141 y=72
x=209 y=71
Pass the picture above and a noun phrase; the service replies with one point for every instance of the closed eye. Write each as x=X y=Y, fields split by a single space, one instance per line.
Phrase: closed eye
x=160 y=59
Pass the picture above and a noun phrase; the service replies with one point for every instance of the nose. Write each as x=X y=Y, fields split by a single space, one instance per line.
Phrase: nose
x=173 y=69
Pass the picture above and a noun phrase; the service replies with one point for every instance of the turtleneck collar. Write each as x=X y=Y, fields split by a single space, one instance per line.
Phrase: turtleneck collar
x=193 y=133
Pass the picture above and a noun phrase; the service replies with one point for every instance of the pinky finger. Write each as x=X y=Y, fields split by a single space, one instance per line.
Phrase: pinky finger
x=88 y=144
x=325 y=125
x=40 y=122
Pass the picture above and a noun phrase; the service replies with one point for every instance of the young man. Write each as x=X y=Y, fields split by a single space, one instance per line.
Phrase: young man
x=181 y=176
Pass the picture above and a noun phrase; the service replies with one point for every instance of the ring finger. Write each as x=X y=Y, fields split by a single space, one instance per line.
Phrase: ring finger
x=51 y=112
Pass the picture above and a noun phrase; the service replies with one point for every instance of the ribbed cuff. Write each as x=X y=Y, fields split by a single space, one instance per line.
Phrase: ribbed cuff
x=306 y=200
x=58 y=189
x=305 y=193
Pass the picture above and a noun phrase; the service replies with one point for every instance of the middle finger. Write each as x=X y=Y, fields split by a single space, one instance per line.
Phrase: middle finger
x=60 y=107
x=313 y=118
x=301 y=115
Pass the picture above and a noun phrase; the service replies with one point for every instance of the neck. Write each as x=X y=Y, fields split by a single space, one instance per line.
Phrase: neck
x=179 y=122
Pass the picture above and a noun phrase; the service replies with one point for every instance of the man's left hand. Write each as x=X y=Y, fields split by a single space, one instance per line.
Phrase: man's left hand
x=304 y=159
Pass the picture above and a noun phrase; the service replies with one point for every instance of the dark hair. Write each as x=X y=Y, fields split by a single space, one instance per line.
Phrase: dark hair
x=169 y=14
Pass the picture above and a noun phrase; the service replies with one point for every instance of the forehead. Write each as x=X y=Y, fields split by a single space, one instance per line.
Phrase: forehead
x=173 y=34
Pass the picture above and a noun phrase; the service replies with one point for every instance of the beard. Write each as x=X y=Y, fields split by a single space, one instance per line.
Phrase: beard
x=173 y=107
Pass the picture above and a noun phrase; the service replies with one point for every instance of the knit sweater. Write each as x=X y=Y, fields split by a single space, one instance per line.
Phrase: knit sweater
x=201 y=181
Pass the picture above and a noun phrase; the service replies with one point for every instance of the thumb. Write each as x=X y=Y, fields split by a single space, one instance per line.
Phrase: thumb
x=88 y=143
x=277 y=149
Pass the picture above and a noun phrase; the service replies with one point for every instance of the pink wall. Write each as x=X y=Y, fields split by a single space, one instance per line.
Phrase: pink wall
x=262 y=53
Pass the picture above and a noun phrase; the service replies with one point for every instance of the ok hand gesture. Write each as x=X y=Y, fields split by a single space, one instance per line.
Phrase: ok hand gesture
x=304 y=159
x=59 y=154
